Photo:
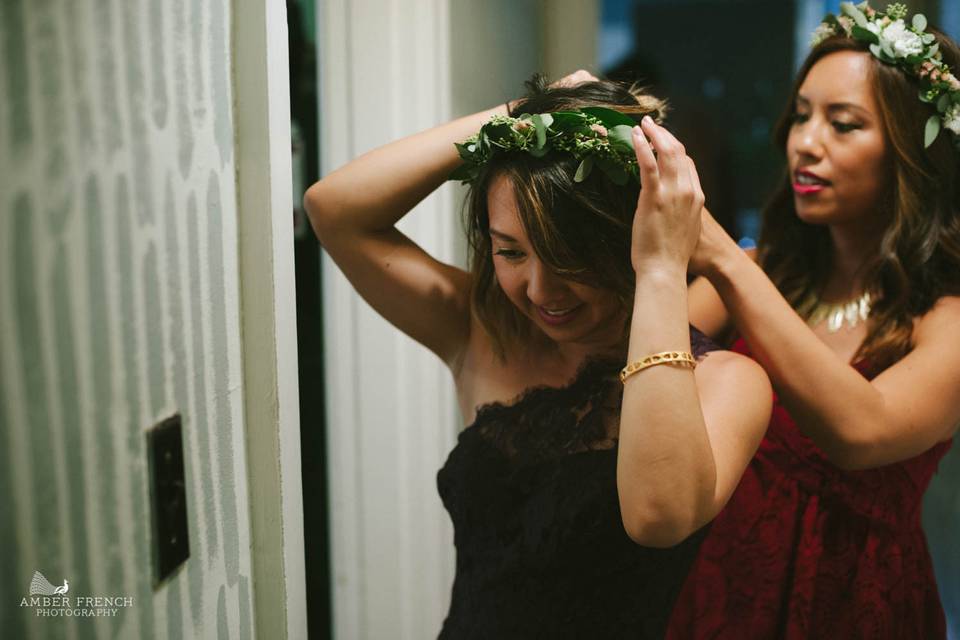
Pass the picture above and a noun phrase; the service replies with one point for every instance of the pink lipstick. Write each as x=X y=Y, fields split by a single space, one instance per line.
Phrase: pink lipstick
x=808 y=183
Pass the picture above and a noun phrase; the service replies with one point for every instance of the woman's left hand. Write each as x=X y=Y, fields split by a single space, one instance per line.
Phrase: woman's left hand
x=713 y=245
x=666 y=225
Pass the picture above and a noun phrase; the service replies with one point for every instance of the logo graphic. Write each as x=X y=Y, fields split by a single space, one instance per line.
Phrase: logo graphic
x=50 y=601
x=40 y=586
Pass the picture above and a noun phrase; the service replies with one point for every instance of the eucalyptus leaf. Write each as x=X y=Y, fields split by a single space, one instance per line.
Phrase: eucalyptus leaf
x=541 y=129
x=621 y=137
x=614 y=172
x=465 y=173
x=927 y=38
x=483 y=142
x=933 y=50
x=943 y=102
x=849 y=9
x=919 y=22
x=584 y=169
x=466 y=151
x=923 y=96
x=609 y=117
x=931 y=130
x=538 y=152
x=568 y=120
x=864 y=35
x=887 y=49
x=875 y=50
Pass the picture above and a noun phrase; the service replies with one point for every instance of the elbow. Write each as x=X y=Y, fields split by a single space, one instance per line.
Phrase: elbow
x=664 y=509
x=659 y=531
x=317 y=205
x=669 y=523
x=851 y=453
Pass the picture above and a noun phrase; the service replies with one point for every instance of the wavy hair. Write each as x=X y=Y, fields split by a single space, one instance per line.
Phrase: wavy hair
x=918 y=258
x=582 y=231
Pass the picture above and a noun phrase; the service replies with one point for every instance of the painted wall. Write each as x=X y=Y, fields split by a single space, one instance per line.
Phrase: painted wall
x=119 y=307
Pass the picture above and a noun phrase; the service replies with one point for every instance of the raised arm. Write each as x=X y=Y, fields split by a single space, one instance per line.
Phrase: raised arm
x=859 y=424
x=354 y=211
x=685 y=436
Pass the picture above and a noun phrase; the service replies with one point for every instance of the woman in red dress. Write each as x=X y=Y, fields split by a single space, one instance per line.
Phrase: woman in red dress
x=851 y=305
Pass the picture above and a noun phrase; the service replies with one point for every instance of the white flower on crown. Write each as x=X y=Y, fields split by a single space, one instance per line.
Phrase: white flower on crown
x=903 y=41
x=951 y=119
x=821 y=33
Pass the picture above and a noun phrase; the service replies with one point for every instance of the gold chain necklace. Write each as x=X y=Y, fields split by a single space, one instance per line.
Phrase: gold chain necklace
x=850 y=313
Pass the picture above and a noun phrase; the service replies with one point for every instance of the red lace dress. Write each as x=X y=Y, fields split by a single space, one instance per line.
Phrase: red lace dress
x=807 y=550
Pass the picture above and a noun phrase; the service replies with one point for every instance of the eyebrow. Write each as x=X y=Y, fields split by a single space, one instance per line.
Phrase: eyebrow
x=502 y=235
x=837 y=106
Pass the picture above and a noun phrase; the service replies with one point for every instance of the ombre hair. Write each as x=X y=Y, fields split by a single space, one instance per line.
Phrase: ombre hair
x=918 y=259
x=580 y=230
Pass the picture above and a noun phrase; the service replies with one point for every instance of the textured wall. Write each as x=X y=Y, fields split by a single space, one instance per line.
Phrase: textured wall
x=118 y=308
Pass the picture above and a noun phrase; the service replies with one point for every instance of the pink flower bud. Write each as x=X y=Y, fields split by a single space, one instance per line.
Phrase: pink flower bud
x=600 y=129
x=522 y=125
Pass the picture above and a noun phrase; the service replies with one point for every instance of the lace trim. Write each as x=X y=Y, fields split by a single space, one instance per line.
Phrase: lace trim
x=545 y=422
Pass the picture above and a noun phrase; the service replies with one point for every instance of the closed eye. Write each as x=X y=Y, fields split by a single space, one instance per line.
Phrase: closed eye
x=844 y=127
x=509 y=254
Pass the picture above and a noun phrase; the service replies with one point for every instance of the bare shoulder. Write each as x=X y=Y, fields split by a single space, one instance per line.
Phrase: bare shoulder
x=940 y=321
x=476 y=369
x=480 y=377
x=727 y=372
x=723 y=362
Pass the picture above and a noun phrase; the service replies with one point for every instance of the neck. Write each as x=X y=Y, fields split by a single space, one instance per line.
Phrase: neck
x=854 y=245
x=571 y=355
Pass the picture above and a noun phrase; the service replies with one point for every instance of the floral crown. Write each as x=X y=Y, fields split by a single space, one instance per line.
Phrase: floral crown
x=596 y=136
x=908 y=47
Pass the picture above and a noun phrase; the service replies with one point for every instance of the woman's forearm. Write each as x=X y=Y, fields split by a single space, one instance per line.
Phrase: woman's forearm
x=829 y=399
x=665 y=469
x=375 y=190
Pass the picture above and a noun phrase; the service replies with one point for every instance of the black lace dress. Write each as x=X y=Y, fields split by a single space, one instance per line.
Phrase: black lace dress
x=541 y=549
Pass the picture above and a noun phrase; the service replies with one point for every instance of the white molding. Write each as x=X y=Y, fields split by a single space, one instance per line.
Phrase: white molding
x=392 y=417
x=268 y=316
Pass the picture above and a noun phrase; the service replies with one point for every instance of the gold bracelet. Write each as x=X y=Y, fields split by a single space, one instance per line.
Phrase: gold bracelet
x=682 y=358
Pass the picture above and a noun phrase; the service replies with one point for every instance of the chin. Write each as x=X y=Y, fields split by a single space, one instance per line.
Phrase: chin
x=815 y=214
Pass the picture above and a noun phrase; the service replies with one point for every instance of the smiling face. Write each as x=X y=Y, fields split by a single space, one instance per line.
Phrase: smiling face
x=836 y=147
x=567 y=312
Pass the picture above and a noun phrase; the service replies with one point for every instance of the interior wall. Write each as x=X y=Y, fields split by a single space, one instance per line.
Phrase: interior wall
x=118 y=308
x=389 y=68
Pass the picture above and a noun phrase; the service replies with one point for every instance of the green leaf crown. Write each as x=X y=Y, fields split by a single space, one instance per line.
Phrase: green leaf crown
x=598 y=137
x=908 y=47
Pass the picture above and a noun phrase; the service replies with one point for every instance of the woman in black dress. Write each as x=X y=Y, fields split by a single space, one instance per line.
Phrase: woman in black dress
x=578 y=495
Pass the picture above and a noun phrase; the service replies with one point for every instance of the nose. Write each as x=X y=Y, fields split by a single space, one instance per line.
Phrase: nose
x=544 y=287
x=806 y=138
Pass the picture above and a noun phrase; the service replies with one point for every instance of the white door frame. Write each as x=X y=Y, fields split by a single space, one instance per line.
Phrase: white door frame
x=268 y=316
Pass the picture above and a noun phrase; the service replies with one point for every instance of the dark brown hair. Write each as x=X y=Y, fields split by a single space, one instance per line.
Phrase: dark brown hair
x=582 y=231
x=918 y=259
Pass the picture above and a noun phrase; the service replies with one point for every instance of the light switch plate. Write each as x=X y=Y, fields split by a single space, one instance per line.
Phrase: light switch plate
x=168 y=495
